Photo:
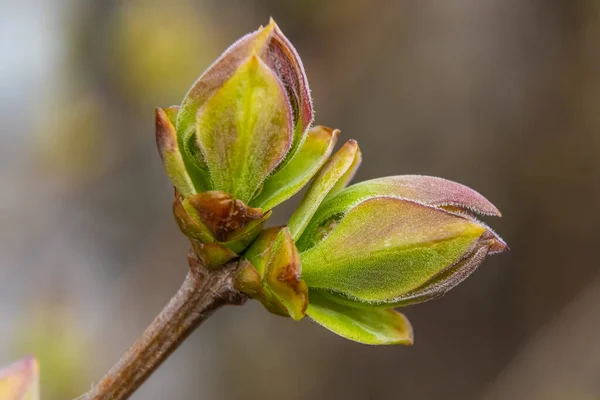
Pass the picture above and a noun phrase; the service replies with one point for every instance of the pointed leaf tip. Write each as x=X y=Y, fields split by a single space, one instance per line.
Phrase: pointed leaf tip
x=489 y=243
x=274 y=50
x=166 y=137
x=332 y=176
x=494 y=241
x=438 y=192
x=245 y=130
x=347 y=177
x=285 y=60
x=217 y=74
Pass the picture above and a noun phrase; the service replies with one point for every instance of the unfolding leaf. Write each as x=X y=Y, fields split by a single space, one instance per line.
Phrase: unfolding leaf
x=345 y=179
x=368 y=326
x=188 y=153
x=221 y=214
x=287 y=181
x=249 y=281
x=427 y=190
x=260 y=251
x=385 y=247
x=282 y=275
x=216 y=75
x=275 y=260
x=20 y=381
x=166 y=141
x=240 y=240
x=448 y=279
x=325 y=180
x=188 y=220
x=194 y=164
x=215 y=216
x=275 y=50
x=245 y=130
x=277 y=54
x=212 y=255
x=282 y=57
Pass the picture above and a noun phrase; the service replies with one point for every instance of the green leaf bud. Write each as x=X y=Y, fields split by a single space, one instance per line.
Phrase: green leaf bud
x=242 y=130
x=273 y=274
x=395 y=240
x=334 y=175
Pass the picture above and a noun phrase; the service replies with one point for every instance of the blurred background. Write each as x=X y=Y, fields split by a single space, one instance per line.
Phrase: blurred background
x=501 y=95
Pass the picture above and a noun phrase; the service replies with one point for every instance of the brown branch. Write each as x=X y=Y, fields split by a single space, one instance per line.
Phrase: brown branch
x=202 y=292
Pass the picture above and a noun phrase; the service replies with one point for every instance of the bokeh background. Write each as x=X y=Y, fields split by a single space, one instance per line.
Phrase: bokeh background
x=501 y=95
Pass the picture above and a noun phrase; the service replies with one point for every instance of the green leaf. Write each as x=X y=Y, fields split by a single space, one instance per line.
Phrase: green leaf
x=194 y=164
x=448 y=279
x=260 y=251
x=287 y=181
x=275 y=263
x=211 y=254
x=215 y=76
x=188 y=157
x=188 y=220
x=271 y=46
x=282 y=275
x=368 y=326
x=326 y=179
x=245 y=130
x=385 y=247
x=211 y=81
x=249 y=281
x=282 y=57
x=345 y=179
x=171 y=113
x=427 y=190
x=166 y=141
x=20 y=381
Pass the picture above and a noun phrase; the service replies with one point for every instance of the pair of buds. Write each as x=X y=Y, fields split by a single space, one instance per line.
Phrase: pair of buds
x=241 y=143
